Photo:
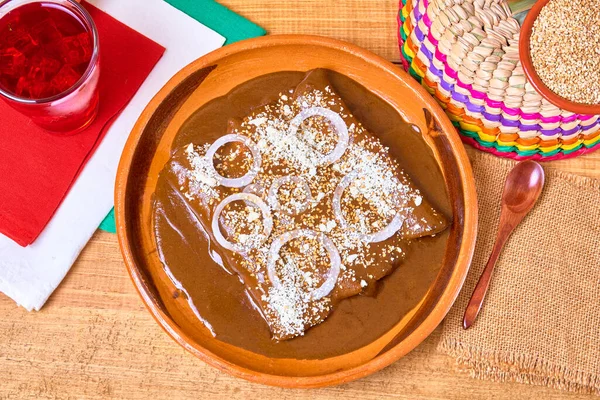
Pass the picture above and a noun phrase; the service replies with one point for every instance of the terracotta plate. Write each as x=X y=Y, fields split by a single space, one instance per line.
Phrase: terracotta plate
x=214 y=75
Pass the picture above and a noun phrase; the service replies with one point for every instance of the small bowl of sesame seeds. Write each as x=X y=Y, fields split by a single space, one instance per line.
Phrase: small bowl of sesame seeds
x=559 y=47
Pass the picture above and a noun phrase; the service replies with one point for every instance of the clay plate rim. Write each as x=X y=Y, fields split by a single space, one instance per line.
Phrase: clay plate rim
x=421 y=332
x=533 y=77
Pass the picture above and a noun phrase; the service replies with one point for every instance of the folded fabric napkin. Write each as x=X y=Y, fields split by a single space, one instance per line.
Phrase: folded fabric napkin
x=540 y=322
x=222 y=20
x=30 y=274
x=219 y=18
x=37 y=167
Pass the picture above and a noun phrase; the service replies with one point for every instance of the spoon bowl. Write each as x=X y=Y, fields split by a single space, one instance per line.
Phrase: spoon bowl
x=523 y=186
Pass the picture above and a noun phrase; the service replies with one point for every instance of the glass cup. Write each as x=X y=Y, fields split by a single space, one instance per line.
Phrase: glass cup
x=74 y=108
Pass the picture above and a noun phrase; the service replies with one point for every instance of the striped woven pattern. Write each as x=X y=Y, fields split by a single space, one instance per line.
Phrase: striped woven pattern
x=465 y=53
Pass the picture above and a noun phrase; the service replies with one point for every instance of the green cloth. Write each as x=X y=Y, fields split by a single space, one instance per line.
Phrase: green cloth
x=220 y=19
x=108 y=224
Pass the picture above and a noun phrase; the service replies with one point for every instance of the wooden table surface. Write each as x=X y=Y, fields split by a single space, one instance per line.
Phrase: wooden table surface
x=95 y=339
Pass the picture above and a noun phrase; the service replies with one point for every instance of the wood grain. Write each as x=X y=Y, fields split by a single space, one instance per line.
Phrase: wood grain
x=370 y=24
x=94 y=339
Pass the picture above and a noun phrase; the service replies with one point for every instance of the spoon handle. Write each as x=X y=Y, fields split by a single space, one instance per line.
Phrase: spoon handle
x=507 y=224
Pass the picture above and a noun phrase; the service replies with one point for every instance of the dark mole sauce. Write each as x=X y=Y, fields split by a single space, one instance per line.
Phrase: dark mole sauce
x=220 y=298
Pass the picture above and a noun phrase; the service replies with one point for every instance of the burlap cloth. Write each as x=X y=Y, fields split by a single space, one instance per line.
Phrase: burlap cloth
x=540 y=322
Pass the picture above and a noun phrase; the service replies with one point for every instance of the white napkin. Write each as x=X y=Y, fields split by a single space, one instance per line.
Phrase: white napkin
x=30 y=274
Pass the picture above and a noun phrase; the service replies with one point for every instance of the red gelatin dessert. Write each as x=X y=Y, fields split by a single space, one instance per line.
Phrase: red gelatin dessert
x=46 y=48
x=37 y=44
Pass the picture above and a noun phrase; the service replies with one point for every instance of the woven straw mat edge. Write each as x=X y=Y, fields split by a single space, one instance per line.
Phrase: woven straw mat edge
x=465 y=53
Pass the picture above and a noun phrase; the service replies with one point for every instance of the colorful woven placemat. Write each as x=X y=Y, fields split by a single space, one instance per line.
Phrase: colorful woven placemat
x=465 y=53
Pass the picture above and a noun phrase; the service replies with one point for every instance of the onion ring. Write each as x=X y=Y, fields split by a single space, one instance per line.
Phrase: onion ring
x=336 y=121
x=242 y=180
x=272 y=196
x=334 y=260
x=248 y=197
x=255 y=188
x=375 y=237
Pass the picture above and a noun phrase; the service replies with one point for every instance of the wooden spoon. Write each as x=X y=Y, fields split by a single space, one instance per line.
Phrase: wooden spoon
x=521 y=191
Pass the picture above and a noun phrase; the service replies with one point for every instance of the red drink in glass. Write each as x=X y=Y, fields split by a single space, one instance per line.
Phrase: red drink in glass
x=49 y=62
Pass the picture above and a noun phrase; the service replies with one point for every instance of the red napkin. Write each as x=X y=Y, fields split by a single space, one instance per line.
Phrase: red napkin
x=37 y=168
